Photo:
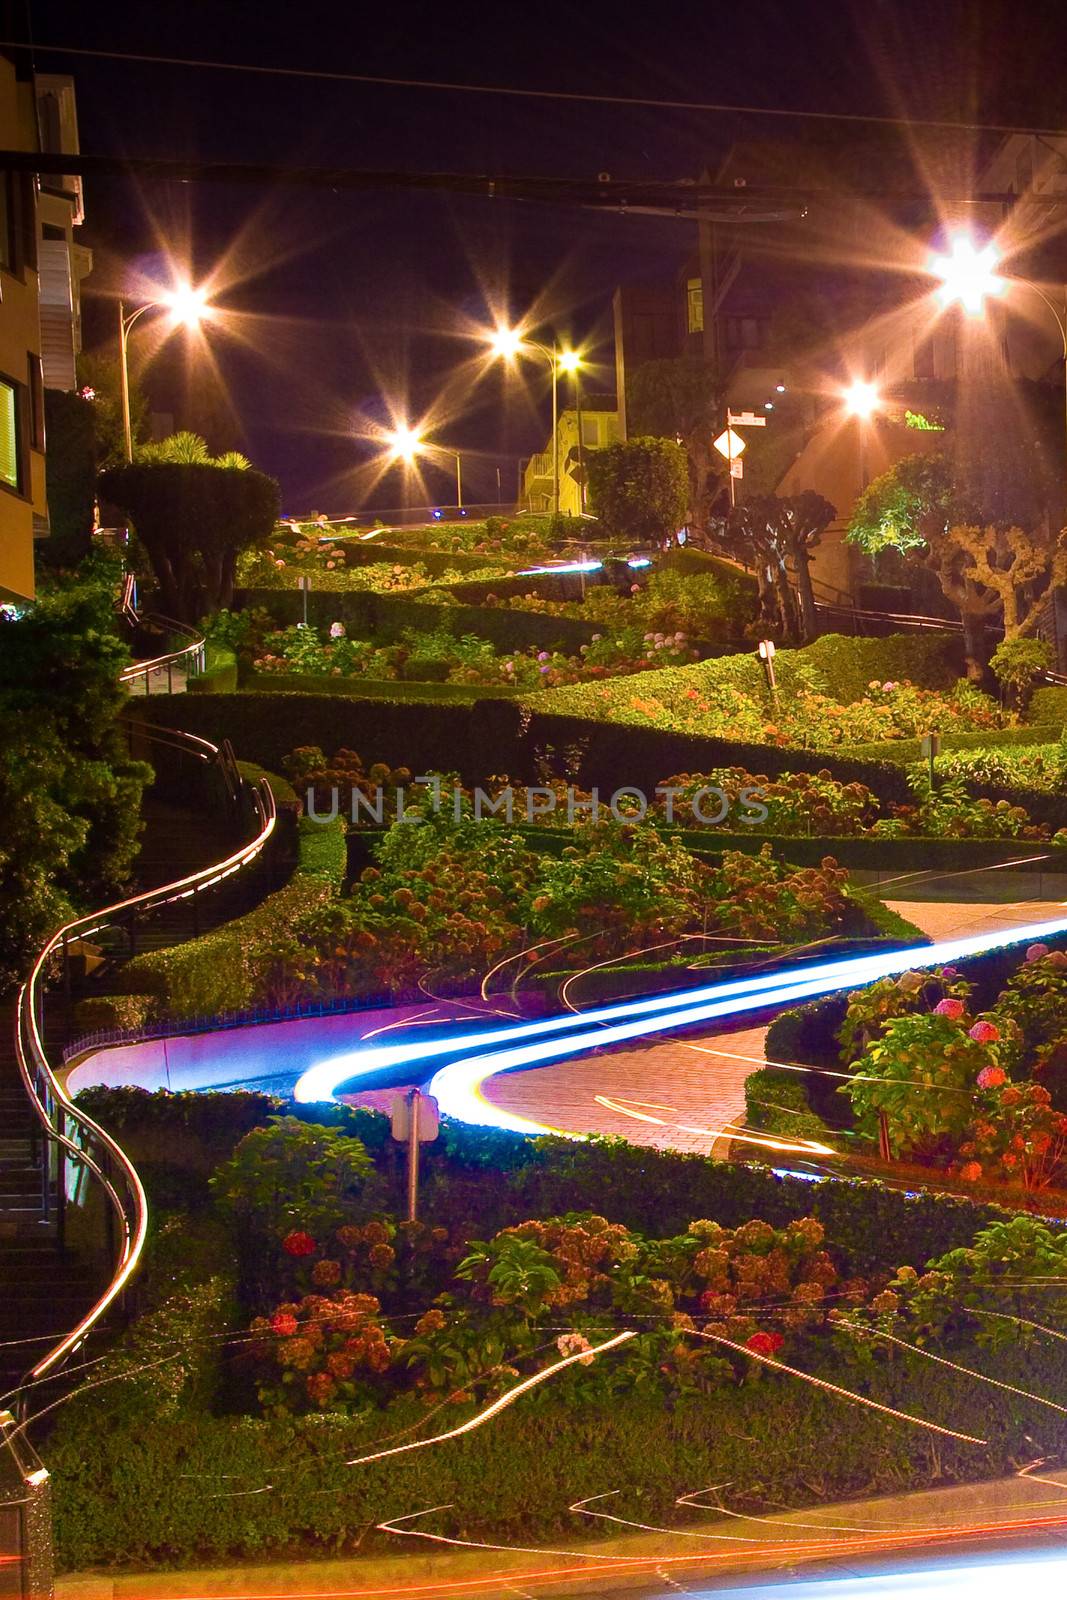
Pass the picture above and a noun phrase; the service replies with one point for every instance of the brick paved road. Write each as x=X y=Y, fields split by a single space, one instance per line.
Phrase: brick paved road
x=696 y=1086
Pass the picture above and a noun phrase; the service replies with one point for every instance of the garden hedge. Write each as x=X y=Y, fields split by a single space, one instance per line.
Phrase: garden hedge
x=844 y=665
x=1049 y=705
x=907 y=751
x=220 y=672
x=807 y=1036
x=138 y=1482
x=493 y=1179
x=216 y=973
x=385 y=617
x=490 y=737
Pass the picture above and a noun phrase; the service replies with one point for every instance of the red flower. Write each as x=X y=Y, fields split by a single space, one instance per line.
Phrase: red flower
x=991 y=1078
x=984 y=1033
x=764 y=1344
x=949 y=1008
x=299 y=1244
x=284 y=1324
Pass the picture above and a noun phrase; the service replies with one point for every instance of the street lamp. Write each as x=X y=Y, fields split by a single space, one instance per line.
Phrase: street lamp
x=861 y=400
x=187 y=306
x=508 y=343
x=969 y=276
x=406 y=444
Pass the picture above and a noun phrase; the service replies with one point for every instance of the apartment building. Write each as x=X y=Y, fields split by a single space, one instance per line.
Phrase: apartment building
x=41 y=268
x=578 y=434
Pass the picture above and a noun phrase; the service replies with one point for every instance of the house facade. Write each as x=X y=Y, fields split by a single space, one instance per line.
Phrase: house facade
x=41 y=267
x=578 y=434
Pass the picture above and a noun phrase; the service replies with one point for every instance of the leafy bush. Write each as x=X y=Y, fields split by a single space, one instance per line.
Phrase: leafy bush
x=234 y=967
x=291 y=1176
x=1018 y=664
x=100 y=1012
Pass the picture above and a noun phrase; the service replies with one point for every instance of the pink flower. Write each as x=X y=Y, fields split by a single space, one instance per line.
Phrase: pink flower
x=283 y=1323
x=949 y=1008
x=991 y=1077
x=984 y=1033
x=1036 y=952
x=299 y=1244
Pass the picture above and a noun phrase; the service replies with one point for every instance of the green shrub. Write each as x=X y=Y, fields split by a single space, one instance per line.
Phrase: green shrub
x=220 y=672
x=489 y=737
x=777 y=1103
x=1048 y=706
x=100 y=1012
x=227 y=969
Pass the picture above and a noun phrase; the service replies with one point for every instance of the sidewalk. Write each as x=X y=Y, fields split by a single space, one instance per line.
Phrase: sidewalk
x=850 y=1534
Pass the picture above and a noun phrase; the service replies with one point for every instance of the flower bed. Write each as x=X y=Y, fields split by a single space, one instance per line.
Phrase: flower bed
x=441 y=658
x=368 y=1331
x=732 y=695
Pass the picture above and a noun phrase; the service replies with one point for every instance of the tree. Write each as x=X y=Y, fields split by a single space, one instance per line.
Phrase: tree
x=69 y=792
x=682 y=399
x=776 y=534
x=640 y=489
x=194 y=516
x=929 y=509
x=100 y=386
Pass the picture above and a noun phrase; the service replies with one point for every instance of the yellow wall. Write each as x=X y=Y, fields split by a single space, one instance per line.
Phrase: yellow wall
x=19 y=336
x=538 y=477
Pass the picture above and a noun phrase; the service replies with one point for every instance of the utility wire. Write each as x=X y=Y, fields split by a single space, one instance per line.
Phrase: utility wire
x=510 y=91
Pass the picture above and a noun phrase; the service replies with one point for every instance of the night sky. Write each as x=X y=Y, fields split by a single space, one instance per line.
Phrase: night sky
x=341 y=298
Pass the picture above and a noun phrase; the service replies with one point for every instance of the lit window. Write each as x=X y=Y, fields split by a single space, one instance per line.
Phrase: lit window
x=694 y=295
x=9 y=436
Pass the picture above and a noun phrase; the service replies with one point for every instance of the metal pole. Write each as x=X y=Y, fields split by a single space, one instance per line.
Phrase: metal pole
x=413 y=1153
x=578 y=409
x=459 y=484
x=124 y=378
x=730 y=459
x=555 y=430
x=499 y=493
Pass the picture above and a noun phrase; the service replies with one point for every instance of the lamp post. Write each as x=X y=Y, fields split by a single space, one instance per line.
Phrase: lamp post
x=969 y=277
x=509 y=342
x=187 y=306
x=570 y=361
x=862 y=400
x=406 y=444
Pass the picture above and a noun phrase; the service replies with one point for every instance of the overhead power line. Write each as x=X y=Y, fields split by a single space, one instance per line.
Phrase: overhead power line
x=584 y=97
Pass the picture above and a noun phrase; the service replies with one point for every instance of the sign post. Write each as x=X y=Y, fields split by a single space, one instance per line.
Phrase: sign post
x=416 y=1119
x=305 y=585
x=931 y=748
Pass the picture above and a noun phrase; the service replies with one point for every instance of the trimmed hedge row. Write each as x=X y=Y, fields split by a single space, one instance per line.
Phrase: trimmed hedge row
x=907 y=751
x=219 y=675
x=385 y=617
x=492 y=1179
x=463 y=694
x=139 y=1482
x=844 y=667
x=216 y=973
x=488 y=737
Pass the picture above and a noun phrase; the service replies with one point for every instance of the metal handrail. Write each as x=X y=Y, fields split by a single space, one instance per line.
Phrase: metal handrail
x=189 y=655
x=69 y=1133
x=93 y=1147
